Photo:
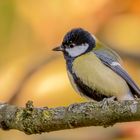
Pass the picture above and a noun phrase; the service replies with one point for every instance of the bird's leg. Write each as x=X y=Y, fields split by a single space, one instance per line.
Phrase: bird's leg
x=105 y=102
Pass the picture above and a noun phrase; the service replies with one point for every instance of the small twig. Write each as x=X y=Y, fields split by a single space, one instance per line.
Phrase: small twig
x=133 y=56
x=28 y=75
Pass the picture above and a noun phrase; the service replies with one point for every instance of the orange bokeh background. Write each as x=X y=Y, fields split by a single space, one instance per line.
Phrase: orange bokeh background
x=31 y=71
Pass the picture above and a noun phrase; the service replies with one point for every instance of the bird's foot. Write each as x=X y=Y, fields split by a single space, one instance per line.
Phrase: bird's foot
x=105 y=102
x=134 y=107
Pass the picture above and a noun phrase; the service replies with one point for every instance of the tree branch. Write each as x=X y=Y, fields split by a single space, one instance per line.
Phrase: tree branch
x=37 y=120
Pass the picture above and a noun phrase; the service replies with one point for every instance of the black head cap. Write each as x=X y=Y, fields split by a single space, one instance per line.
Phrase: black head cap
x=78 y=36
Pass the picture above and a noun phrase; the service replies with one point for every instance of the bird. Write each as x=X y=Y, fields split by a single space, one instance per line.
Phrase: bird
x=95 y=70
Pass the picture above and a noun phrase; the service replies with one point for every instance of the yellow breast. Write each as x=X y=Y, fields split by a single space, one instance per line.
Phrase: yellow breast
x=98 y=76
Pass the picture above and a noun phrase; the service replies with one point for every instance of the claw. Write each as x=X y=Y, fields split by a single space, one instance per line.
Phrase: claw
x=134 y=106
x=105 y=102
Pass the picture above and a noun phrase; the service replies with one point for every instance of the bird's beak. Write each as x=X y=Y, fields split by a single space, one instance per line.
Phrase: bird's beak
x=58 y=49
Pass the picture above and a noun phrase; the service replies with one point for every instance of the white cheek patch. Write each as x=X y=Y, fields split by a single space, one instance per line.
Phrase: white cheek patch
x=77 y=50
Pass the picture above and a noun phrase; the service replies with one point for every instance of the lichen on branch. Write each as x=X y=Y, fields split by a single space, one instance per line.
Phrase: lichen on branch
x=32 y=120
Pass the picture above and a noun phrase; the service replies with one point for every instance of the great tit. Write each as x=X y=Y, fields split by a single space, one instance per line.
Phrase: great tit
x=95 y=70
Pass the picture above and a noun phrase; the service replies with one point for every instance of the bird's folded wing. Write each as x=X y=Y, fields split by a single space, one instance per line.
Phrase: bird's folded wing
x=109 y=58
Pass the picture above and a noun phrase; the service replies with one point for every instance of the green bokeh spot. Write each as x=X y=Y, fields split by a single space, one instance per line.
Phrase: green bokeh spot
x=7 y=15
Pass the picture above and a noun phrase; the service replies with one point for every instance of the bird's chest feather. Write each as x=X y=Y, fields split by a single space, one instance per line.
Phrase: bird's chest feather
x=93 y=73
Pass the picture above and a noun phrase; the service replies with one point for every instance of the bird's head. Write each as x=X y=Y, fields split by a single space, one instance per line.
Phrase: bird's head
x=76 y=42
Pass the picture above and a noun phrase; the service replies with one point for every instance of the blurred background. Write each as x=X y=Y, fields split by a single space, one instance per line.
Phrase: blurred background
x=29 y=70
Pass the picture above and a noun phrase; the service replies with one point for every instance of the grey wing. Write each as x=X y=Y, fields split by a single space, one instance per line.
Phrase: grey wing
x=112 y=63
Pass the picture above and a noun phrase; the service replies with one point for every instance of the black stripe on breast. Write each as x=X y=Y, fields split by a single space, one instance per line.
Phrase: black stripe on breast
x=83 y=88
x=87 y=91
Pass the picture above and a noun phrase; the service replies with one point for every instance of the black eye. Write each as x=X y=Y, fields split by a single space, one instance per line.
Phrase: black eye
x=71 y=45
